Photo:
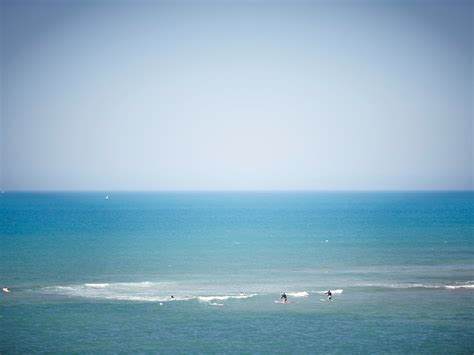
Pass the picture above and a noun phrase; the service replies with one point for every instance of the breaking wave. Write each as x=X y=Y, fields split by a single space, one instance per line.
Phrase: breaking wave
x=334 y=292
x=463 y=285
x=454 y=287
x=298 y=294
x=139 y=291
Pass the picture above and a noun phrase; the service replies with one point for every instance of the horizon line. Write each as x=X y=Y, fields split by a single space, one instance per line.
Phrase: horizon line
x=225 y=190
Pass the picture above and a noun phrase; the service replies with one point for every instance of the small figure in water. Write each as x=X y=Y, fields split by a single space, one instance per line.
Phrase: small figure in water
x=284 y=298
x=329 y=293
x=6 y=289
x=172 y=296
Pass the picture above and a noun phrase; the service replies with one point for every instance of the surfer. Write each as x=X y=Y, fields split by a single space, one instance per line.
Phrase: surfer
x=6 y=289
x=329 y=293
x=284 y=298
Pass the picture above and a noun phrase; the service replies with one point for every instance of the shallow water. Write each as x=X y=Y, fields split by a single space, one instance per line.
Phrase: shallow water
x=94 y=275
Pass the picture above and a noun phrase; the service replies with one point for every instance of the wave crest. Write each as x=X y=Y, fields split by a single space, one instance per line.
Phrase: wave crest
x=223 y=298
x=298 y=294
x=334 y=292
x=139 y=291
x=465 y=285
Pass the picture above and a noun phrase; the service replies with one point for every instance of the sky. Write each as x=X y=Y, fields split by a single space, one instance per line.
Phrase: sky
x=236 y=95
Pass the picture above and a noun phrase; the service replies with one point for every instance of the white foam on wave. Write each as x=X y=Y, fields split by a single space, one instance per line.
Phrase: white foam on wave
x=60 y=288
x=140 y=291
x=212 y=298
x=223 y=298
x=399 y=285
x=465 y=285
x=123 y=284
x=298 y=294
x=455 y=287
x=125 y=291
x=135 y=298
x=336 y=292
x=96 y=285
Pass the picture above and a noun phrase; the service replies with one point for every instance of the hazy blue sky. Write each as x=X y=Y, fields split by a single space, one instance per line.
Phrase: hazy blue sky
x=236 y=94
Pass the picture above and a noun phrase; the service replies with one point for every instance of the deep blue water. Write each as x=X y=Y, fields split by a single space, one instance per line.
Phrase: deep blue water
x=89 y=274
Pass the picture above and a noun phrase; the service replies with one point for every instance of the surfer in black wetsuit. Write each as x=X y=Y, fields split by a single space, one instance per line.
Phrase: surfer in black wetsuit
x=283 y=297
x=329 y=293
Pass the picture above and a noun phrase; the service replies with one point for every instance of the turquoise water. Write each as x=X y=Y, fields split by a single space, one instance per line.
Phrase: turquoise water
x=89 y=274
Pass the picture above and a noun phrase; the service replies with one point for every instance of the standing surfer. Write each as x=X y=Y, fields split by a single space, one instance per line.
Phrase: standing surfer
x=329 y=293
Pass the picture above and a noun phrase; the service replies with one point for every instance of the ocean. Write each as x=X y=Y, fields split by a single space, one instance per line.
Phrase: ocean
x=202 y=272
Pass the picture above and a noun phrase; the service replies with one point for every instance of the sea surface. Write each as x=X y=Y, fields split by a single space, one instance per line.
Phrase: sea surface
x=90 y=274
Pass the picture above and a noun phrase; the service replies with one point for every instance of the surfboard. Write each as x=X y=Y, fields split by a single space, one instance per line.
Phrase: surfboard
x=325 y=300
x=281 y=302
